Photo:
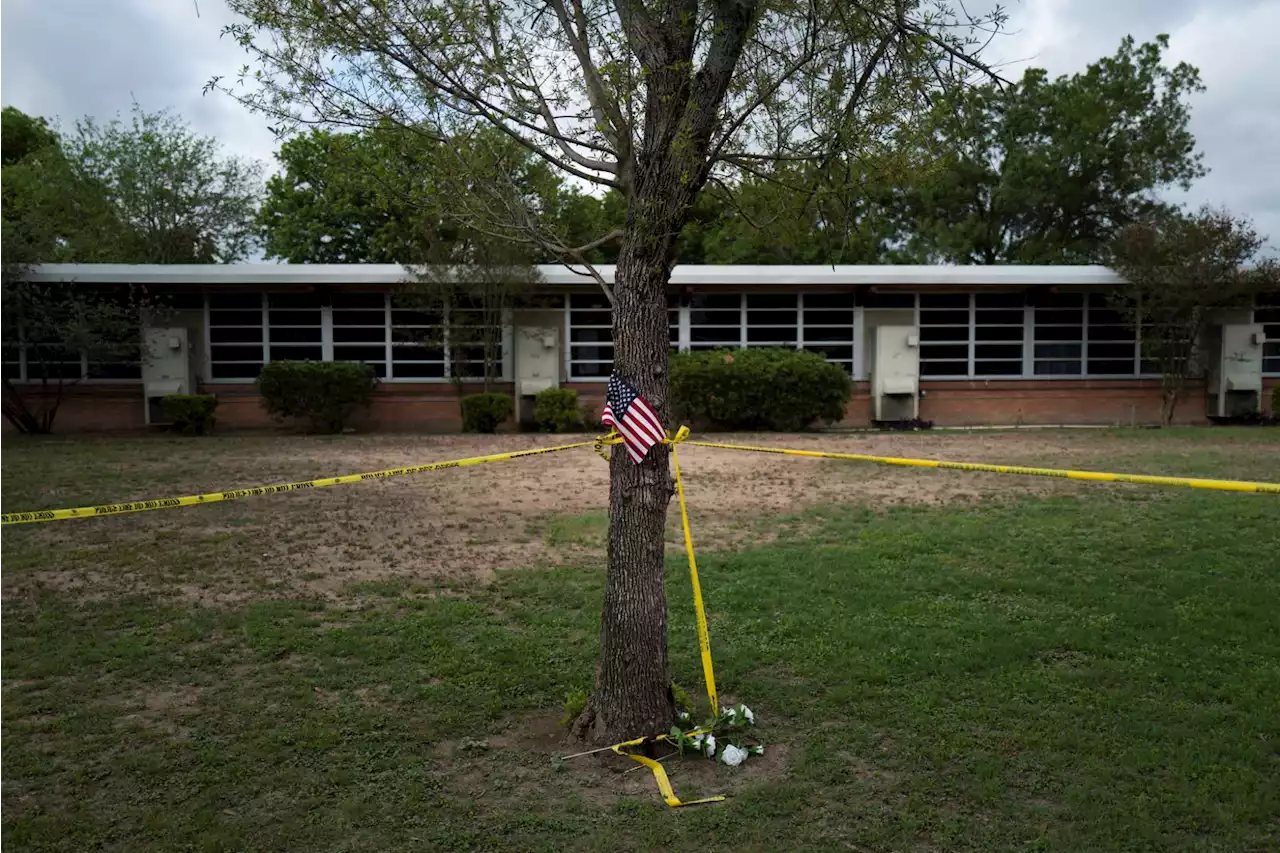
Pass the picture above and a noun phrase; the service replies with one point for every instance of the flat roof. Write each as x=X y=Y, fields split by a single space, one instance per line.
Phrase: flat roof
x=556 y=274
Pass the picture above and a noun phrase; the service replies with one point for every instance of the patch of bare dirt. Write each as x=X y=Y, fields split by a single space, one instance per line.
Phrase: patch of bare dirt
x=424 y=534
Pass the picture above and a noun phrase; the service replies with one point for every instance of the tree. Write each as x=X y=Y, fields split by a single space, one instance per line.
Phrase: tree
x=652 y=99
x=179 y=199
x=1179 y=269
x=1047 y=171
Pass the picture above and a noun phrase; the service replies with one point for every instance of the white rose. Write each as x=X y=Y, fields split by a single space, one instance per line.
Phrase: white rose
x=746 y=712
x=757 y=750
x=711 y=746
x=733 y=756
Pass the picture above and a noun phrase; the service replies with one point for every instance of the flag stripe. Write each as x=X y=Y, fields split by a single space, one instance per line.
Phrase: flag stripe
x=630 y=415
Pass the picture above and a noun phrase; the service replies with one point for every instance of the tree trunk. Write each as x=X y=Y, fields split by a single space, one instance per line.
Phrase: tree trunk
x=632 y=694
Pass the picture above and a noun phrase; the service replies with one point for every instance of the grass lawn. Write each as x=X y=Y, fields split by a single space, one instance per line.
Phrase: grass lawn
x=1083 y=668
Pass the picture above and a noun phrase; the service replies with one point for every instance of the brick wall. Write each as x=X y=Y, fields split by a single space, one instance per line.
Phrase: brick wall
x=432 y=407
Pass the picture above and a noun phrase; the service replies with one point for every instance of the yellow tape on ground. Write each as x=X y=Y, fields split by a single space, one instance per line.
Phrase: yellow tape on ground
x=235 y=494
x=660 y=776
x=1064 y=473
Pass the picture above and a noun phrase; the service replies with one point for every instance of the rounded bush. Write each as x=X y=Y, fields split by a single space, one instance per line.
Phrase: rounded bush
x=483 y=412
x=556 y=410
x=324 y=393
x=191 y=414
x=750 y=389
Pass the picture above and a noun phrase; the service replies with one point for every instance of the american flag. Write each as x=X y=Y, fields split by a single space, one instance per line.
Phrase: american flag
x=627 y=412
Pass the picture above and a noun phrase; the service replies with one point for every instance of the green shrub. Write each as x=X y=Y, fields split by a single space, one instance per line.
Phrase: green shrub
x=556 y=410
x=191 y=414
x=323 y=393
x=775 y=389
x=483 y=412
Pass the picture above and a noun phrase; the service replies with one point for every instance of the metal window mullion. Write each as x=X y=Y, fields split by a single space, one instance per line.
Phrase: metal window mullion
x=1084 y=336
x=326 y=332
x=266 y=330
x=742 y=320
x=388 y=347
x=1028 y=341
x=800 y=321
x=444 y=338
x=568 y=336
x=859 y=347
x=973 y=333
x=1137 y=342
x=684 y=337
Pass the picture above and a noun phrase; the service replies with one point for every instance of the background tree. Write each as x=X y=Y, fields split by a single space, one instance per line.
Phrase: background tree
x=1047 y=171
x=652 y=99
x=1179 y=269
x=178 y=198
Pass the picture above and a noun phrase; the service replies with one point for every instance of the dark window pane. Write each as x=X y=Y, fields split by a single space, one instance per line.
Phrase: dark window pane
x=997 y=368
x=998 y=300
x=1059 y=317
x=998 y=333
x=358 y=335
x=944 y=368
x=1102 y=317
x=235 y=353
x=1058 y=351
x=227 y=301
x=1110 y=368
x=293 y=300
x=232 y=335
x=944 y=318
x=709 y=335
x=888 y=300
x=828 y=300
x=1059 y=333
x=1058 y=300
x=715 y=318
x=247 y=372
x=828 y=333
x=704 y=301
x=944 y=333
x=771 y=318
x=182 y=301
x=294 y=318
x=359 y=353
x=12 y=370
x=588 y=370
x=1111 y=351
x=588 y=301
x=1057 y=368
x=304 y=353
x=770 y=300
x=591 y=335
x=417 y=336
x=1013 y=351
x=928 y=351
x=415 y=318
x=945 y=300
x=832 y=352
x=591 y=318
x=827 y=317
x=767 y=335
x=429 y=370
x=1109 y=333
x=235 y=318
x=591 y=353
x=352 y=299
x=998 y=318
x=289 y=335
x=359 y=318
x=402 y=352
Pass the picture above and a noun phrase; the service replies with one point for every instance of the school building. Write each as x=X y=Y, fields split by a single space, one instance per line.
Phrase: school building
x=960 y=346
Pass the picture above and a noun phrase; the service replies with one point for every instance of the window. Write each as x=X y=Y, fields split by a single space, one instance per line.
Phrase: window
x=1268 y=314
x=944 y=334
x=294 y=327
x=773 y=320
x=417 y=344
x=827 y=322
x=1078 y=334
x=1111 y=346
x=715 y=320
x=998 y=330
x=236 y=342
x=360 y=329
x=591 y=334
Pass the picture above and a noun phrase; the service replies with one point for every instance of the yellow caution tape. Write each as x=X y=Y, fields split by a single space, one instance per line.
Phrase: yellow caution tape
x=660 y=776
x=235 y=494
x=1090 y=476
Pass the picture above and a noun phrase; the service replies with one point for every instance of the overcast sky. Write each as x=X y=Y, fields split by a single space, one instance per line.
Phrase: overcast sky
x=68 y=58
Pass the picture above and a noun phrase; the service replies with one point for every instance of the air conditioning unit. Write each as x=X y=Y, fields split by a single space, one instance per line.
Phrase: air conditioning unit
x=1233 y=370
x=166 y=369
x=895 y=373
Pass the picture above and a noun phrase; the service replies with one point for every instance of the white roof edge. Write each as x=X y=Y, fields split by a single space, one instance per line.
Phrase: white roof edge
x=689 y=274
